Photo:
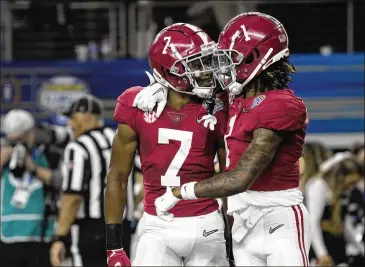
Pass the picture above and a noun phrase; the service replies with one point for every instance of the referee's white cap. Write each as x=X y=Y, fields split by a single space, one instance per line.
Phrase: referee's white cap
x=17 y=121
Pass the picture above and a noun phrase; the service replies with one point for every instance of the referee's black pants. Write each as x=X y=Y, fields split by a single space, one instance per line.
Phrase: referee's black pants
x=25 y=254
x=88 y=243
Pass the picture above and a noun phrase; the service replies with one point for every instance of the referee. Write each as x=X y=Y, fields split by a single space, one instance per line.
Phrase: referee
x=85 y=164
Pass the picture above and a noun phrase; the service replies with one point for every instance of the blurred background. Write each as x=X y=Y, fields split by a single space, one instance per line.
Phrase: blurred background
x=54 y=51
x=79 y=42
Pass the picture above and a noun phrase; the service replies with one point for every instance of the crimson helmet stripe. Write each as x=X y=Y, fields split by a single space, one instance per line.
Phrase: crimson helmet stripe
x=189 y=29
x=192 y=31
x=204 y=37
x=199 y=32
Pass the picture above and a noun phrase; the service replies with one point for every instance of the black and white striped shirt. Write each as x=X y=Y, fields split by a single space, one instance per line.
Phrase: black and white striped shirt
x=85 y=166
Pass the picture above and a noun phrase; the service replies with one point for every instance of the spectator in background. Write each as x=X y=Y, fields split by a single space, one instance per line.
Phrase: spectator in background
x=359 y=152
x=354 y=224
x=354 y=214
x=307 y=165
x=324 y=193
x=313 y=156
x=52 y=137
x=25 y=237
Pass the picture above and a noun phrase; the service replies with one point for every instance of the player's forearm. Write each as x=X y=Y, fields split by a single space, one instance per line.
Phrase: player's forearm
x=228 y=183
x=115 y=198
x=69 y=206
x=256 y=158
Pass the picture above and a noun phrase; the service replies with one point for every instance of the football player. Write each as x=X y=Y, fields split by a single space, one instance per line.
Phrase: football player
x=177 y=148
x=264 y=140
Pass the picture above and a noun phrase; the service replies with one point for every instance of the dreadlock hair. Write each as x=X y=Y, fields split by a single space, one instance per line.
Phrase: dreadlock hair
x=277 y=76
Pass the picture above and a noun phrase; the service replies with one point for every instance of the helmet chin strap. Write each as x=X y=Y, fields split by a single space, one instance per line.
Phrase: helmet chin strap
x=237 y=88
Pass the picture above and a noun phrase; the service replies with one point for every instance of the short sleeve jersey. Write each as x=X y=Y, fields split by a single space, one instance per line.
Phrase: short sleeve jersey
x=278 y=110
x=174 y=149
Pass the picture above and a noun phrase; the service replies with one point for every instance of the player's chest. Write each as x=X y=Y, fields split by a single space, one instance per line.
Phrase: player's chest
x=241 y=122
x=174 y=128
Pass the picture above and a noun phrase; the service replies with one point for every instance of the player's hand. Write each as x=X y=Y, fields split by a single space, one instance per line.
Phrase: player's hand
x=151 y=95
x=208 y=120
x=57 y=252
x=235 y=88
x=325 y=260
x=117 y=257
x=164 y=203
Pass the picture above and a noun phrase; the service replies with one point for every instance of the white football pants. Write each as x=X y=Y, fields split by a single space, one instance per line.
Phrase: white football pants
x=280 y=237
x=190 y=241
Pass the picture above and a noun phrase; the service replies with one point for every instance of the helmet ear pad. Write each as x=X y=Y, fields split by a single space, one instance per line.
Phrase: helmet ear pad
x=251 y=57
x=180 y=83
x=247 y=61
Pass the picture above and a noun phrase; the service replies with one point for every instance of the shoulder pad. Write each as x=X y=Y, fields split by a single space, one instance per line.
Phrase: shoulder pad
x=282 y=114
x=127 y=97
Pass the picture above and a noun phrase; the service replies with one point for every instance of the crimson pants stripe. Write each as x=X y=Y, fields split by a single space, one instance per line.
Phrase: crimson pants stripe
x=299 y=224
x=302 y=224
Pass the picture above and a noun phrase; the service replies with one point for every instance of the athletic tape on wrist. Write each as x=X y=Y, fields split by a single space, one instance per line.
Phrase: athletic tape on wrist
x=113 y=236
x=188 y=191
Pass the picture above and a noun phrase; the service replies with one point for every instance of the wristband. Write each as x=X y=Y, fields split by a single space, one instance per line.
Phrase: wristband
x=65 y=239
x=113 y=236
x=188 y=191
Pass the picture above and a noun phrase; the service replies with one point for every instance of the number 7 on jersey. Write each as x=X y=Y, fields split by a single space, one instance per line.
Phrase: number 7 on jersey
x=164 y=136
